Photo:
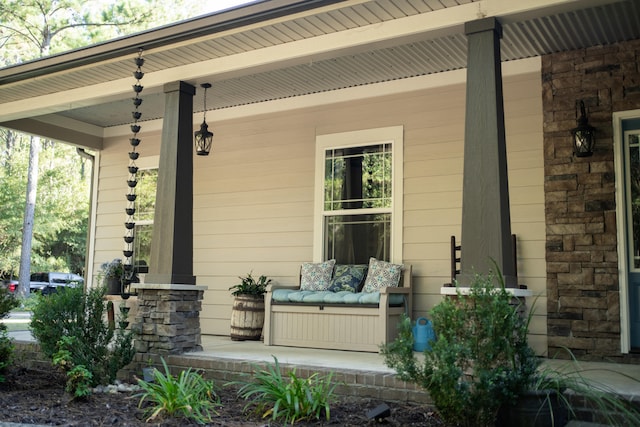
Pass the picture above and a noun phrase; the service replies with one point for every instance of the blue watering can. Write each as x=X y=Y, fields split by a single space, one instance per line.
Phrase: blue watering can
x=422 y=334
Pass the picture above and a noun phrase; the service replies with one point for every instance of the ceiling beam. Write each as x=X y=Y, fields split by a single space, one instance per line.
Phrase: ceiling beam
x=67 y=134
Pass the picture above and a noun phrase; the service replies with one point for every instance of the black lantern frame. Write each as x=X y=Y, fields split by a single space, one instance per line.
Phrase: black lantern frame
x=583 y=135
x=203 y=137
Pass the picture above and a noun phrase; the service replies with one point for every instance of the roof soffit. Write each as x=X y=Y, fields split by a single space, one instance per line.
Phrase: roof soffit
x=340 y=45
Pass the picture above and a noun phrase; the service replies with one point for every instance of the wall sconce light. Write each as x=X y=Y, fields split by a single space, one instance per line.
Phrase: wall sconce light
x=584 y=135
x=204 y=138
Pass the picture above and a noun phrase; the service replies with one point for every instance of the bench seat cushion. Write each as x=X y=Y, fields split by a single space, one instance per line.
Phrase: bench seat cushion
x=328 y=297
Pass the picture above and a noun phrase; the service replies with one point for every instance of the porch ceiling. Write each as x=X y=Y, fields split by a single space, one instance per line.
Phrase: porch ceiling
x=286 y=48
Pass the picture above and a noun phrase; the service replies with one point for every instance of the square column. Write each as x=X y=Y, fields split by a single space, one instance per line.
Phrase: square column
x=172 y=241
x=486 y=221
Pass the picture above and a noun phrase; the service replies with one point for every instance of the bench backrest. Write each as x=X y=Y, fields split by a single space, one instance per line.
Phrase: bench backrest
x=405 y=277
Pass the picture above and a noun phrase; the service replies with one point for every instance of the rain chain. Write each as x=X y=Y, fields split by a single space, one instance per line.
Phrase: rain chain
x=130 y=274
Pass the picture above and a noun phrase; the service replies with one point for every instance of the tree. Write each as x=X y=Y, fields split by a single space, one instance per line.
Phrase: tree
x=61 y=212
x=35 y=28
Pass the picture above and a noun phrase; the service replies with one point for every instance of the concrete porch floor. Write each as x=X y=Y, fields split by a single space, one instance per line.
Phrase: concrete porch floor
x=621 y=378
x=255 y=351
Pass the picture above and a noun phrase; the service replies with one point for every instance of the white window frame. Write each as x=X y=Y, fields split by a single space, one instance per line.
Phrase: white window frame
x=393 y=135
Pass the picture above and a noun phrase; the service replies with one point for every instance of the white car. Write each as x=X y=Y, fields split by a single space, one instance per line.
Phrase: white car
x=49 y=282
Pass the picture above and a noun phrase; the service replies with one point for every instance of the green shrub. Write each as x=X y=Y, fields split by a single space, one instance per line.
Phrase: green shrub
x=72 y=313
x=291 y=399
x=602 y=400
x=78 y=377
x=29 y=302
x=480 y=360
x=188 y=395
x=7 y=303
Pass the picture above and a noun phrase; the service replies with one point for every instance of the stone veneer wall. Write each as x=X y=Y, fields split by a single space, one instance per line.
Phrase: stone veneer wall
x=167 y=322
x=583 y=301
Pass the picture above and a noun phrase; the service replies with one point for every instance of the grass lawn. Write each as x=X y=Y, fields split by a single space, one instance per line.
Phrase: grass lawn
x=13 y=326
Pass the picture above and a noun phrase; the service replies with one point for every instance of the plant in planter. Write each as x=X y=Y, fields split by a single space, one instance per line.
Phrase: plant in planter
x=480 y=359
x=111 y=275
x=481 y=370
x=247 y=313
x=548 y=399
x=249 y=286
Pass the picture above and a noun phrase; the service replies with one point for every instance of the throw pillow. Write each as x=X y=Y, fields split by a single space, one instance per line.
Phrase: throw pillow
x=316 y=276
x=347 y=278
x=381 y=274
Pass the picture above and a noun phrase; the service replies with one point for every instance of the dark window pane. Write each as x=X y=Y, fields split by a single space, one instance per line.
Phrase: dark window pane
x=358 y=177
x=352 y=239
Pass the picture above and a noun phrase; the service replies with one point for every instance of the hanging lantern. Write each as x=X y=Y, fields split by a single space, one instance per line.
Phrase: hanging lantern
x=204 y=138
x=583 y=135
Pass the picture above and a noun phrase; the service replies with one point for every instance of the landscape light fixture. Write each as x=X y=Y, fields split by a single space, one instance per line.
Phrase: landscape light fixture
x=204 y=138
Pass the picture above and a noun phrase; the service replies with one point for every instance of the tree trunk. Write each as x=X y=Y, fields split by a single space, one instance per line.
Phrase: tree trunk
x=29 y=213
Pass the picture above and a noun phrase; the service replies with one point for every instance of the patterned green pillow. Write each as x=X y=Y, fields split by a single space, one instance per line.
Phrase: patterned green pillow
x=382 y=274
x=316 y=276
x=347 y=278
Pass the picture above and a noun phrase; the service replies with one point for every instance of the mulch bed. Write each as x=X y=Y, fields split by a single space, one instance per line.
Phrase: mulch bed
x=33 y=396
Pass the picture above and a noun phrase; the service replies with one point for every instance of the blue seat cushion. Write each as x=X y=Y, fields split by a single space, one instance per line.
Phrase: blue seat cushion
x=328 y=297
x=282 y=295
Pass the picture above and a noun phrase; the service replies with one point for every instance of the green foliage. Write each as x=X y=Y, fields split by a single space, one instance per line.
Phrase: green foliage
x=7 y=303
x=601 y=399
x=39 y=27
x=480 y=360
x=30 y=29
x=291 y=399
x=29 y=303
x=62 y=209
x=72 y=313
x=188 y=395
x=249 y=286
x=113 y=269
x=79 y=382
x=78 y=377
x=6 y=352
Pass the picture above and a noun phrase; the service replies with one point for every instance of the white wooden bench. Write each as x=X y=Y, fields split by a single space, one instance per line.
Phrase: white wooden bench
x=357 y=327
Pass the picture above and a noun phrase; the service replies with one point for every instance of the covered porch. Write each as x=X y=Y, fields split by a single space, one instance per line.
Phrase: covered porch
x=286 y=72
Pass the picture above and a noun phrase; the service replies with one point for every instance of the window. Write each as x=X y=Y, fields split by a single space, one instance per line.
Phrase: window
x=145 y=210
x=632 y=172
x=359 y=196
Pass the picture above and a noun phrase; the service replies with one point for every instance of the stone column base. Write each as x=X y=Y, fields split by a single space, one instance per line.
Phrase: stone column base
x=167 y=321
